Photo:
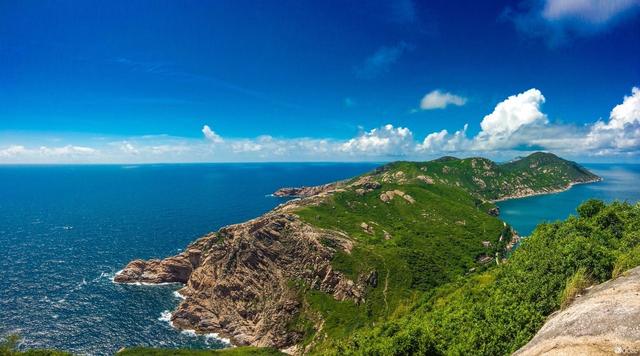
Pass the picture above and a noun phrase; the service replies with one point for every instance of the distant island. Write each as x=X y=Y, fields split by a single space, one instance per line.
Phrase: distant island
x=348 y=255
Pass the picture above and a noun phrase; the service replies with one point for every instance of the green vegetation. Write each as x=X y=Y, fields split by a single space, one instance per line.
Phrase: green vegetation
x=409 y=248
x=575 y=285
x=236 y=351
x=538 y=172
x=498 y=311
x=9 y=347
x=432 y=254
x=434 y=229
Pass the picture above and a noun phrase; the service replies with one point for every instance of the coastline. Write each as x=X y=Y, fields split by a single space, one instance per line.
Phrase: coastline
x=554 y=191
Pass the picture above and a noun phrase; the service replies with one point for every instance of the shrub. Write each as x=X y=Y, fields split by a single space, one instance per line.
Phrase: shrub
x=575 y=285
x=590 y=208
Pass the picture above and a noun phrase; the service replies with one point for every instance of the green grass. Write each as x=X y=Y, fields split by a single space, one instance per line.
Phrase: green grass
x=489 y=181
x=436 y=239
x=498 y=311
x=575 y=285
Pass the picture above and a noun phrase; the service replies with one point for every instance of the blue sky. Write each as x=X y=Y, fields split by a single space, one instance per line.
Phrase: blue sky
x=137 y=81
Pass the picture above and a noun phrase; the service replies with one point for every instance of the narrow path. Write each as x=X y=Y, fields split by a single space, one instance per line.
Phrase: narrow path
x=386 y=279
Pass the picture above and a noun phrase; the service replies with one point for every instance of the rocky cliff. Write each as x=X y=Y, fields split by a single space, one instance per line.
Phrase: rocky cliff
x=237 y=281
x=605 y=320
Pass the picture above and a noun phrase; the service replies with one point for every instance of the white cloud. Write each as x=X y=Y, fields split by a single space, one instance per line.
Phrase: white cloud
x=165 y=149
x=439 y=100
x=622 y=131
x=444 y=142
x=559 y=20
x=592 y=11
x=516 y=124
x=246 y=146
x=67 y=150
x=515 y=113
x=129 y=148
x=386 y=140
x=211 y=135
x=13 y=151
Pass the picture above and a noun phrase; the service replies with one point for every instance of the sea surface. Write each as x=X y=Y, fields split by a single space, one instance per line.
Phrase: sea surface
x=66 y=230
x=621 y=182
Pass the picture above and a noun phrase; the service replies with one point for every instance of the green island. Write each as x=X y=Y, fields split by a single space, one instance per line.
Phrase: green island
x=439 y=272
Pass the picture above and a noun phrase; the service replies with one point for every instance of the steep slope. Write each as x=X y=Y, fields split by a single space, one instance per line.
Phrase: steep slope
x=500 y=310
x=603 y=321
x=347 y=255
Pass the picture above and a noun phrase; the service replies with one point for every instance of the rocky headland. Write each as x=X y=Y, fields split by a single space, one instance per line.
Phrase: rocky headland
x=247 y=282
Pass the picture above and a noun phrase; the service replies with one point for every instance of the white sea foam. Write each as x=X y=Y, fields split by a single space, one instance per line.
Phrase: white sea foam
x=178 y=295
x=114 y=276
x=141 y=283
x=166 y=316
x=208 y=337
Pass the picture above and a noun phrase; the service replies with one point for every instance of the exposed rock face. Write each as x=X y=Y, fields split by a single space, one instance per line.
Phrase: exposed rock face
x=175 y=269
x=390 y=194
x=604 y=321
x=239 y=280
x=302 y=192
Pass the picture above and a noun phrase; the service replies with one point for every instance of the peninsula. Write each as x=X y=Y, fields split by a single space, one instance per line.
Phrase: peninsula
x=350 y=255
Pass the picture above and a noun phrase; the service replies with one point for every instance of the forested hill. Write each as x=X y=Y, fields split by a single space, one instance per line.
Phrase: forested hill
x=537 y=173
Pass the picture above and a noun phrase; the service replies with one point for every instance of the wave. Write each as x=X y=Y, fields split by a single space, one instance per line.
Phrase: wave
x=166 y=317
x=208 y=337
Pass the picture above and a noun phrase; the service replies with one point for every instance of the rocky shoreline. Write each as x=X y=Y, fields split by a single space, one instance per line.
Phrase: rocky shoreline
x=545 y=192
x=237 y=281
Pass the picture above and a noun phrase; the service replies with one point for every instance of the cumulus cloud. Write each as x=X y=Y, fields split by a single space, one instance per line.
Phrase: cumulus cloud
x=518 y=123
x=439 y=100
x=381 y=61
x=558 y=20
x=386 y=140
x=211 y=135
x=622 y=132
x=442 y=141
x=509 y=116
x=514 y=122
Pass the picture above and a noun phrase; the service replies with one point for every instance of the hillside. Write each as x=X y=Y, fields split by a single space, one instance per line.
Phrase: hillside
x=500 y=310
x=347 y=256
x=538 y=173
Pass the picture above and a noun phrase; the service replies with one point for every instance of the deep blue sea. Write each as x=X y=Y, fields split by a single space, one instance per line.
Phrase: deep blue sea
x=65 y=231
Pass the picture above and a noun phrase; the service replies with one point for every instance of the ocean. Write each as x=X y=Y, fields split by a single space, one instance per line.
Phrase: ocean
x=66 y=230
x=620 y=183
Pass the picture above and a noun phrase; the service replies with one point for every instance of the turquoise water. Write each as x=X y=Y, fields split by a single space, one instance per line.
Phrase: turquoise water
x=621 y=182
x=65 y=231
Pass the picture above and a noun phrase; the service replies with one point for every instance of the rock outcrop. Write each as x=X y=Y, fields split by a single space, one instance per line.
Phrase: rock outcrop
x=302 y=192
x=240 y=281
x=603 y=321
